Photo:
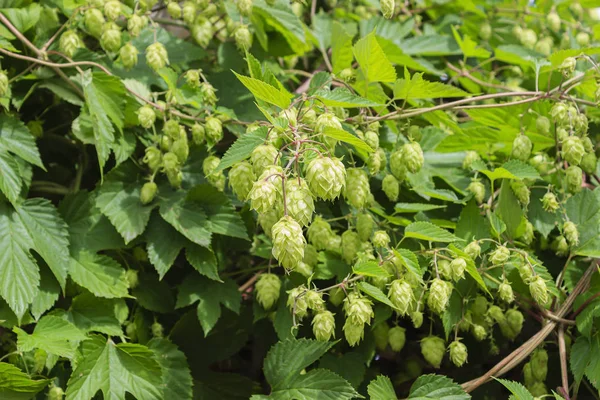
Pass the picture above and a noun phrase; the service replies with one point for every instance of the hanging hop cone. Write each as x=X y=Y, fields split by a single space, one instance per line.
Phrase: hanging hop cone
x=327 y=120
x=94 y=20
x=521 y=148
x=243 y=38
x=387 y=8
x=262 y=157
x=433 y=349
x=473 y=249
x=397 y=338
x=350 y=246
x=470 y=158
x=146 y=116
x=514 y=319
x=263 y=196
x=500 y=255
x=574 y=177
x=324 y=325
x=439 y=295
x=129 y=56
x=412 y=156
x=391 y=187
x=112 y=9
x=241 y=178
x=505 y=292
x=319 y=233
x=314 y=300
x=478 y=190
x=288 y=242
x=521 y=191
x=148 y=192
x=417 y=319
x=353 y=333
x=300 y=203
x=573 y=150
x=397 y=166
x=539 y=290
x=401 y=295
x=364 y=226
x=267 y=290
x=135 y=24
x=157 y=56
x=213 y=128
x=326 y=177
x=550 y=203
x=458 y=353
x=457 y=268
x=571 y=233
x=69 y=43
x=357 y=189
x=296 y=301
x=380 y=239
x=358 y=309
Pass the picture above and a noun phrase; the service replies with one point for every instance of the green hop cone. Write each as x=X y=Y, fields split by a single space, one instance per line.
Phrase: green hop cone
x=319 y=233
x=457 y=268
x=470 y=158
x=214 y=130
x=397 y=166
x=288 y=242
x=326 y=177
x=374 y=163
x=458 y=353
x=380 y=333
x=372 y=139
x=567 y=67
x=135 y=24
x=539 y=364
x=485 y=31
x=174 y=10
x=387 y=8
x=208 y=93
x=296 y=301
x=198 y=133
x=311 y=255
x=111 y=40
x=244 y=7
x=323 y=325
x=357 y=189
x=505 y=292
x=347 y=75
x=300 y=203
x=241 y=178
x=55 y=393
x=514 y=319
x=479 y=306
x=401 y=295
x=192 y=78
x=473 y=249
x=528 y=38
x=478 y=190
x=148 y=192
x=267 y=288
x=573 y=150
x=496 y=314
x=500 y=255
x=539 y=290
x=188 y=12
x=560 y=113
x=132 y=277
x=146 y=116
x=416 y=318
x=243 y=38
x=581 y=125
x=391 y=187
x=337 y=296
x=112 y=9
x=433 y=349
x=157 y=330
x=93 y=20
x=314 y=300
x=326 y=120
x=304 y=269
x=549 y=202
x=262 y=196
x=128 y=55
x=521 y=148
x=521 y=191
x=439 y=295
x=443 y=268
x=262 y=157
x=397 y=338
x=153 y=158
x=157 y=56
x=413 y=157
x=479 y=332
x=267 y=219
x=353 y=333
x=542 y=125
x=3 y=83
x=553 y=21
x=380 y=239
x=571 y=233
x=69 y=43
x=582 y=39
x=364 y=226
x=172 y=129
x=589 y=163
x=350 y=246
x=574 y=177
x=358 y=309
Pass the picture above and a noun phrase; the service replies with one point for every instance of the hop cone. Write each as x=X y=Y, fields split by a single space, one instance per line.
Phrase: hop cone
x=69 y=43
x=319 y=233
x=241 y=178
x=135 y=24
x=514 y=319
x=589 y=163
x=157 y=56
x=93 y=21
x=262 y=196
x=417 y=319
x=380 y=239
x=267 y=290
x=412 y=157
x=473 y=249
x=243 y=38
x=380 y=332
x=268 y=219
x=549 y=202
x=433 y=349
x=153 y=158
x=3 y=83
x=324 y=325
x=391 y=187
x=542 y=125
x=521 y=191
x=288 y=242
x=458 y=353
x=457 y=268
x=478 y=190
x=350 y=246
x=357 y=188
x=539 y=364
x=112 y=9
x=358 y=309
x=539 y=290
x=364 y=226
x=439 y=295
x=573 y=150
x=574 y=177
x=397 y=338
x=401 y=295
x=479 y=332
x=262 y=157
x=470 y=158
x=297 y=302
x=311 y=255
x=300 y=204
x=397 y=165
x=372 y=139
x=213 y=127
x=500 y=255
x=148 y=192
x=571 y=233
x=326 y=177
x=353 y=332
x=327 y=120
x=505 y=292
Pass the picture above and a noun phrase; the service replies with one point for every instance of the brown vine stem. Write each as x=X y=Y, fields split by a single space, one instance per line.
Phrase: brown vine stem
x=467 y=74
x=564 y=373
x=517 y=356
x=249 y=282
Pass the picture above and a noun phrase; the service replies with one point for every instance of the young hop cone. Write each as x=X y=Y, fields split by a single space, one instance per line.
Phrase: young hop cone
x=521 y=148
x=241 y=178
x=573 y=150
x=397 y=166
x=350 y=246
x=401 y=295
x=364 y=226
x=413 y=156
x=353 y=332
x=326 y=177
x=263 y=196
x=288 y=242
x=550 y=202
x=391 y=187
x=539 y=290
x=433 y=349
x=473 y=249
x=358 y=309
x=324 y=325
x=157 y=56
x=267 y=290
x=357 y=190
x=397 y=338
x=439 y=295
x=263 y=156
x=571 y=233
x=300 y=203
x=478 y=190
x=458 y=353
x=380 y=239
x=319 y=233
x=500 y=255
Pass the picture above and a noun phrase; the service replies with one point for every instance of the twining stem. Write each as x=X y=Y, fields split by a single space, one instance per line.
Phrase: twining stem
x=563 y=362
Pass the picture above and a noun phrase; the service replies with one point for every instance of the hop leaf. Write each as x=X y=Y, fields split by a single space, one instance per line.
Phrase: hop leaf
x=324 y=325
x=267 y=290
x=326 y=177
x=433 y=349
x=288 y=242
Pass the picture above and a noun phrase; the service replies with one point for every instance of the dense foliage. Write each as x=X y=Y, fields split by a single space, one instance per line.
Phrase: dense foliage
x=317 y=200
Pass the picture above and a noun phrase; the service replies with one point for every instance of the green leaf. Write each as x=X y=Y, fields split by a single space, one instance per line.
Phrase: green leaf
x=418 y=88
x=581 y=355
x=410 y=262
x=346 y=137
x=317 y=383
x=10 y=179
x=370 y=268
x=542 y=220
x=430 y=387
x=242 y=148
x=381 y=388
x=281 y=17
x=471 y=268
x=518 y=390
x=428 y=231
x=350 y=366
x=113 y=370
x=415 y=207
x=582 y=207
x=93 y=314
x=119 y=199
x=373 y=61
x=430 y=45
x=342 y=97
x=204 y=261
x=187 y=217
x=509 y=209
x=53 y=335
x=453 y=313
x=176 y=376
x=471 y=224
x=99 y=274
x=468 y=46
x=163 y=244
x=154 y=295
x=48 y=293
x=375 y=293
x=17 y=385
x=265 y=92
x=341 y=47
x=211 y=295
x=23 y=18
x=521 y=170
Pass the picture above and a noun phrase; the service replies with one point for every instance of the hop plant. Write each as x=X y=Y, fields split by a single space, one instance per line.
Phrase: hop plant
x=324 y=325
x=174 y=10
x=433 y=349
x=374 y=163
x=93 y=21
x=589 y=163
x=129 y=56
x=243 y=38
x=470 y=158
x=213 y=128
x=327 y=120
x=412 y=156
x=300 y=204
x=560 y=113
x=397 y=338
x=387 y=8
x=574 y=178
x=358 y=309
x=505 y=292
x=514 y=320
x=198 y=133
x=458 y=353
x=500 y=255
x=267 y=290
x=380 y=333
x=439 y=295
x=353 y=332
x=372 y=139
x=319 y=233
x=573 y=150
x=350 y=246
x=357 y=189
x=288 y=242
x=528 y=234
x=262 y=196
x=148 y=192
x=539 y=364
x=112 y=9
x=549 y=202
x=401 y=295
x=538 y=290
x=479 y=332
x=4 y=84
x=521 y=148
x=473 y=249
x=457 y=268
x=364 y=226
x=69 y=43
x=391 y=187
x=241 y=178
x=542 y=125
x=571 y=233
x=314 y=300
x=380 y=239
x=521 y=191
x=188 y=12
x=244 y=7
x=135 y=24
x=296 y=301
x=478 y=190
x=262 y=157
x=554 y=22
x=326 y=177
x=208 y=93
x=567 y=67
x=157 y=56
x=111 y=39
